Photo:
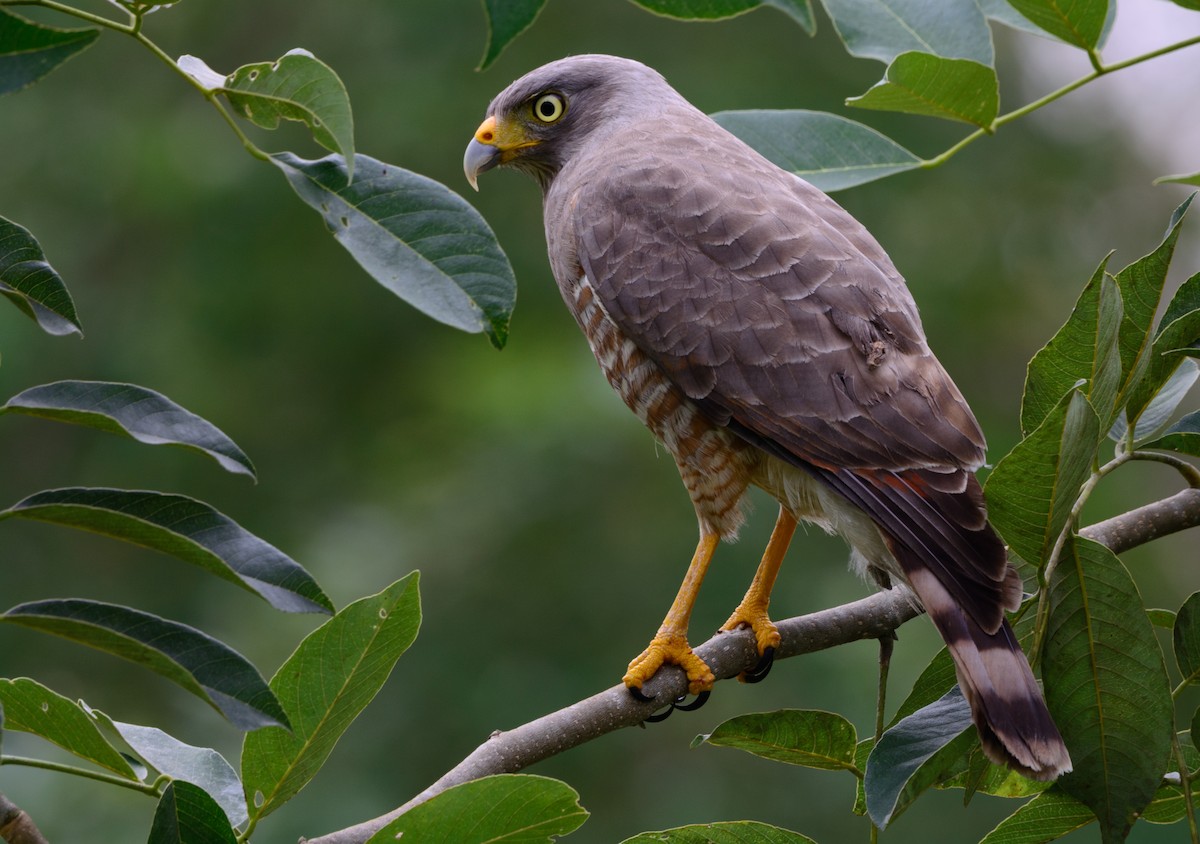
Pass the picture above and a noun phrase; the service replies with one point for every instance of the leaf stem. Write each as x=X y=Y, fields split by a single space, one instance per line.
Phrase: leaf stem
x=112 y=779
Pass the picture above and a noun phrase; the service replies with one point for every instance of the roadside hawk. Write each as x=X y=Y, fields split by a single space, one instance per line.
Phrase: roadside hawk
x=764 y=337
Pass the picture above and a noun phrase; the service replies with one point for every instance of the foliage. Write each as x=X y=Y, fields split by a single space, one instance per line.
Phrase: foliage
x=1105 y=392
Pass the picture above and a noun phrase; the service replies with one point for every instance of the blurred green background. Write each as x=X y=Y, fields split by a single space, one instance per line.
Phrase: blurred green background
x=550 y=531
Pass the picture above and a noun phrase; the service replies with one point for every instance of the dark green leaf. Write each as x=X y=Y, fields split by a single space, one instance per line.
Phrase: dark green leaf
x=799 y=10
x=143 y=414
x=1183 y=436
x=829 y=151
x=921 y=83
x=186 y=529
x=883 y=29
x=1167 y=807
x=501 y=809
x=1106 y=686
x=506 y=20
x=28 y=51
x=1002 y=11
x=32 y=708
x=1031 y=491
x=1048 y=816
x=1084 y=349
x=1078 y=22
x=331 y=677
x=299 y=87
x=1164 y=619
x=414 y=236
x=810 y=738
x=1178 y=330
x=1186 y=637
x=199 y=663
x=732 y=832
x=935 y=680
x=1155 y=415
x=186 y=814
x=921 y=750
x=200 y=766
x=30 y=283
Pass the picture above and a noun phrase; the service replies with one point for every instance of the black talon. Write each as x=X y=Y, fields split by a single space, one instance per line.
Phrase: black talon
x=700 y=700
x=760 y=671
x=637 y=694
x=659 y=716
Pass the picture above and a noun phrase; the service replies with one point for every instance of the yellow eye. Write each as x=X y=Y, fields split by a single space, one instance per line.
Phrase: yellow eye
x=549 y=108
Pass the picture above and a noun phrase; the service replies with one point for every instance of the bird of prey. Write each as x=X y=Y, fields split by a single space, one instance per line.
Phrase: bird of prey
x=765 y=337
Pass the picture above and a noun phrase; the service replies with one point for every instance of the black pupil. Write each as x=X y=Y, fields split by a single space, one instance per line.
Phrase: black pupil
x=548 y=108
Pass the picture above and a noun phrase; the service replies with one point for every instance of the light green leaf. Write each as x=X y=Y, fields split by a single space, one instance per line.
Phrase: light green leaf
x=32 y=708
x=1167 y=807
x=883 y=29
x=186 y=814
x=921 y=83
x=1002 y=12
x=506 y=20
x=829 y=151
x=1031 y=491
x=1183 y=436
x=200 y=766
x=1084 y=349
x=501 y=809
x=1047 y=817
x=1181 y=179
x=414 y=236
x=334 y=673
x=810 y=738
x=1078 y=22
x=30 y=283
x=28 y=50
x=1106 y=686
x=996 y=780
x=732 y=832
x=207 y=668
x=299 y=87
x=142 y=414
x=188 y=530
x=921 y=750
x=1161 y=618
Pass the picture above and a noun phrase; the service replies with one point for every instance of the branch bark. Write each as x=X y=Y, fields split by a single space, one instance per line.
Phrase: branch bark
x=728 y=654
x=16 y=827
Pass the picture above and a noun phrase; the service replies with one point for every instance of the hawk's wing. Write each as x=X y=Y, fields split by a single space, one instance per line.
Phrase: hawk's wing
x=781 y=317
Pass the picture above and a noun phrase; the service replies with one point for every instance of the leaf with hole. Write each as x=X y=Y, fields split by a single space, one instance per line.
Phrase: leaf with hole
x=29 y=282
x=207 y=668
x=188 y=530
x=414 y=236
x=137 y=412
x=829 y=151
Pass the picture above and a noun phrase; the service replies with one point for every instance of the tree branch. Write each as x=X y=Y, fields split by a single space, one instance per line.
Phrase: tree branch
x=16 y=827
x=728 y=654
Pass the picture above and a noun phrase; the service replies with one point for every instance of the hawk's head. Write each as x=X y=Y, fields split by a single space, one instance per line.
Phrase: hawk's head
x=538 y=122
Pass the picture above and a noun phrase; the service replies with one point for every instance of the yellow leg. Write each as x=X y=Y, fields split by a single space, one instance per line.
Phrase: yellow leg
x=753 y=608
x=670 y=644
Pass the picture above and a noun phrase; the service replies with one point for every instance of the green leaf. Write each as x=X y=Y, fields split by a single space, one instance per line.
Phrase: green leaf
x=1183 y=436
x=1186 y=637
x=921 y=83
x=693 y=10
x=934 y=682
x=1002 y=12
x=1155 y=415
x=188 y=530
x=810 y=738
x=1178 y=331
x=28 y=51
x=731 y=832
x=1164 y=619
x=1048 y=816
x=1181 y=179
x=186 y=814
x=414 y=236
x=32 y=708
x=921 y=750
x=996 y=780
x=1031 y=491
x=501 y=809
x=299 y=87
x=1106 y=686
x=883 y=29
x=142 y=414
x=1078 y=22
x=30 y=283
x=207 y=668
x=1167 y=807
x=829 y=151
x=1141 y=286
x=334 y=673
x=1084 y=349
x=506 y=20
x=202 y=767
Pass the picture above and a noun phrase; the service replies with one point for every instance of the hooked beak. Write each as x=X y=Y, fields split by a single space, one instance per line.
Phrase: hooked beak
x=482 y=153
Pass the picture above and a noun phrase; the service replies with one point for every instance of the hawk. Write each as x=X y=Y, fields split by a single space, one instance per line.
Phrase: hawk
x=765 y=337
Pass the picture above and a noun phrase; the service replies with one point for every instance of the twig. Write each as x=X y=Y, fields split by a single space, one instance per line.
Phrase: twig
x=16 y=827
x=728 y=654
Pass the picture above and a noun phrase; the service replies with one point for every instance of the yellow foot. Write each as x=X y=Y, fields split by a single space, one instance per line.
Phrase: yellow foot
x=766 y=638
x=675 y=651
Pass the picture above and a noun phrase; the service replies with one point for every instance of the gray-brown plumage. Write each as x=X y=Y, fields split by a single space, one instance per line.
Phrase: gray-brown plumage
x=765 y=338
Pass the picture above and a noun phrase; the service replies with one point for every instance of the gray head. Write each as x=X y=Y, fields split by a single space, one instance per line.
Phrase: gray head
x=539 y=121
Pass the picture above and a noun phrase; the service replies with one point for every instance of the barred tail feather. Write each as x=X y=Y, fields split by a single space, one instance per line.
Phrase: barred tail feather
x=1015 y=727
